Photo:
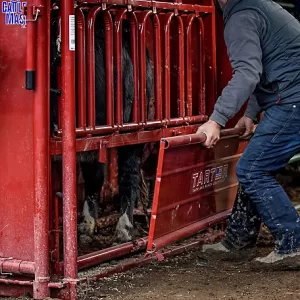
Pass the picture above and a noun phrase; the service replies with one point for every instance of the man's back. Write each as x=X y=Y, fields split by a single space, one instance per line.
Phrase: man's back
x=279 y=35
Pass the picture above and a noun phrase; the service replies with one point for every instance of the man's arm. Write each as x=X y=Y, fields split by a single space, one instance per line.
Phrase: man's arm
x=242 y=37
x=253 y=109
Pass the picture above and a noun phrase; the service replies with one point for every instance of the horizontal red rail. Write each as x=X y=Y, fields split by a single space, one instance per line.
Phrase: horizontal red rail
x=156 y=4
x=135 y=126
x=198 y=138
x=95 y=258
x=52 y=285
x=138 y=137
x=190 y=230
x=135 y=263
x=8 y=265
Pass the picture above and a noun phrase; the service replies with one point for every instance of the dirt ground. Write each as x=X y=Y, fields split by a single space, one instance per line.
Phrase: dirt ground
x=194 y=276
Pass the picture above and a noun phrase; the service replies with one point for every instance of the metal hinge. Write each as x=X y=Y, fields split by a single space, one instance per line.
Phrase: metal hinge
x=3 y=259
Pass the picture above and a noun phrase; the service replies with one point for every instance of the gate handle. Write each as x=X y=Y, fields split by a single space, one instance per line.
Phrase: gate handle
x=194 y=138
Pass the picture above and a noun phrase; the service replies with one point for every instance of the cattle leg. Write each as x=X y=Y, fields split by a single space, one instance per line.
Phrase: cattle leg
x=129 y=189
x=93 y=174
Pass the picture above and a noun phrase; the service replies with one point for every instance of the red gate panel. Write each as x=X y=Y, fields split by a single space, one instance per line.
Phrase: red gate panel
x=195 y=187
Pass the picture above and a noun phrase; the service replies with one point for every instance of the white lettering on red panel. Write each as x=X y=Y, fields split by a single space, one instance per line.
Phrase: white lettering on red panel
x=208 y=177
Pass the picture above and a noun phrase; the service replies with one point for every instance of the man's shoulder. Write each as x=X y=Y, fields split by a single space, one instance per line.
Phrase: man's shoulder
x=245 y=17
x=244 y=20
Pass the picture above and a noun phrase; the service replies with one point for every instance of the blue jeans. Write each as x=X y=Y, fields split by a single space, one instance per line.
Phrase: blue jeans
x=260 y=196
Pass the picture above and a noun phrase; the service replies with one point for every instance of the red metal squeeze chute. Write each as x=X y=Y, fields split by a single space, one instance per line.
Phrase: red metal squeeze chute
x=194 y=188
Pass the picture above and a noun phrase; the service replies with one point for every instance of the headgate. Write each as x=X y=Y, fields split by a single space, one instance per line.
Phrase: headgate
x=39 y=257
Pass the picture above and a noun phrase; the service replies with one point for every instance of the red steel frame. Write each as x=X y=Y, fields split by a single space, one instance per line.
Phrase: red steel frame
x=139 y=18
x=69 y=153
x=83 y=134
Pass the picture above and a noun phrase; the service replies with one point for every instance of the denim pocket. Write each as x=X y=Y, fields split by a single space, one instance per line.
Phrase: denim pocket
x=284 y=119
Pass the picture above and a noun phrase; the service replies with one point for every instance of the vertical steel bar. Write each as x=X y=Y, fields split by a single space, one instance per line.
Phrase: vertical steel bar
x=151 y=235
x=91 y=118
x=41 y=133
x=81 y=68
x=181 y=71
x=118 y=35
x=202 y=98
x=167 y=106
x=68 y=146
x=142 y=55
x=109 y=68
x=189 y=75
x=30 y=51
x=157 y=68
x=135 y=61
x=214 y=51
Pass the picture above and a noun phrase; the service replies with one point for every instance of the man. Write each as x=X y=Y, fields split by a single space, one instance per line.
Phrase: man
x=263 y=43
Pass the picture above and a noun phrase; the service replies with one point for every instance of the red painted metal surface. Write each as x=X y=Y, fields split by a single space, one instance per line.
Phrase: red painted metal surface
x=167 y=109
x=41 y=134
x=91 y=65
x=142 y=18
x=95 y=258
x=69 y=146
x=109 y=72
x=194 y=186
x=21 y=281
x=134 y=55
x=93 y=143
x=30 y=48
x=10 y=265
x=16 y=152
x=157 y=67
x=24 y=202
x=118 y=63
x=81 y=68
x=105 y=130
x=189 y=230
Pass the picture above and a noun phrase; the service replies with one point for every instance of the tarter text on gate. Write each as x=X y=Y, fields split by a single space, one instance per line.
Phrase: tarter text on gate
x=208 y=177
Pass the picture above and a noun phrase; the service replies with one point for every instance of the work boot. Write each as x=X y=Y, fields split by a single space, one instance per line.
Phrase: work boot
x=275 y=261
x=220 y=252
